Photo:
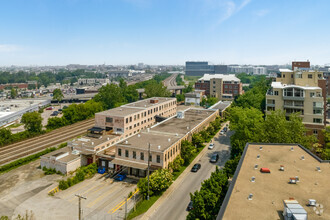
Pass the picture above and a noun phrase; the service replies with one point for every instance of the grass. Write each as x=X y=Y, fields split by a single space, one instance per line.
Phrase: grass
x=142 y=207
x=191 y=78
x=15 y=125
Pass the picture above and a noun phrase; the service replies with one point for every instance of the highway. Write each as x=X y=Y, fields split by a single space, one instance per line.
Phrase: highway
x=171 y=81
x=174 y=206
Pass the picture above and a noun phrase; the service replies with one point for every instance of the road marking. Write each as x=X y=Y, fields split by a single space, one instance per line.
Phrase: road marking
x=102 y=195
x=121 y=203
x=87 y=184
x=84 y=192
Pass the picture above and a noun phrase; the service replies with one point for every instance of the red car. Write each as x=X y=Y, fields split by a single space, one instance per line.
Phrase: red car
x=50 y=108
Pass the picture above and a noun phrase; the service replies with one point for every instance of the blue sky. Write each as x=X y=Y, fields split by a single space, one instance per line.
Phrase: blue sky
x=60 y=32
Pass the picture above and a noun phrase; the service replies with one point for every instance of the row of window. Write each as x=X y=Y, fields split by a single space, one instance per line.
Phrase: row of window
x=127 y=153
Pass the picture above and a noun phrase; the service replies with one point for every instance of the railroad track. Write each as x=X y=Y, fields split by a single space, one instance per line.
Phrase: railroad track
x=37 y=144
x=171 y=81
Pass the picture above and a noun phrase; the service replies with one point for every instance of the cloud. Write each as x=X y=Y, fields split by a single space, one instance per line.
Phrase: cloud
x=227 y=8
x=262 y=12
x=8 y=48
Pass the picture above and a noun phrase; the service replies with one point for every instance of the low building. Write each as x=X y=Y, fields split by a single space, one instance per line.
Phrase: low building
x=221 y=106
x=223 y=87
x=194 y=98
x=163 y=141
x=260 y=195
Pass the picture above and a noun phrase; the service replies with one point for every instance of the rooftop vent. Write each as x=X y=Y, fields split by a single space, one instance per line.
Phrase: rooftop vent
x=158 y=147
x=250 y=196
x=169 y=140
x=318 y=169
x=253 y=179
x=120 y=109
x=260 y=148
x=258 y=156
x=139 y=135
x=126 y=142
x=176 y=134
x=291 y=149
x=256 y=166
x=293 y=180
x=302 y=157
x=148 y=129
x=187 y=128
x=312 y=202
x=281 y=168
x=92 y=143
x=108 y=138
x=180 y=115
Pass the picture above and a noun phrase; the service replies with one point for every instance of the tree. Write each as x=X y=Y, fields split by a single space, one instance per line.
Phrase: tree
x=13 y=93
x=176 y=164
x=180 y=97
x=155 y=89
x=187 y=151
x=110 y=95
x=55 y=122
x=32 y=122
x=230 y=166
x=197 y=140
x=58 y=95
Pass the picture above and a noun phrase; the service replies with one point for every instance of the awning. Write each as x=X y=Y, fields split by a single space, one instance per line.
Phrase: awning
x=129 y=163
x=97 y=129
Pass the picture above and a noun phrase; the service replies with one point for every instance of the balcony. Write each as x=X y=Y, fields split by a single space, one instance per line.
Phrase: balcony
x=294 y=98
x=294 y=106
x=270 y=105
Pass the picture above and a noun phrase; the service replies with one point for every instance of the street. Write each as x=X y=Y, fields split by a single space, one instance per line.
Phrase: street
x=175 y=205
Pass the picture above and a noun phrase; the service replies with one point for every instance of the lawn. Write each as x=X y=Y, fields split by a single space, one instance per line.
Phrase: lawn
x=191 y=78
x=142 y=207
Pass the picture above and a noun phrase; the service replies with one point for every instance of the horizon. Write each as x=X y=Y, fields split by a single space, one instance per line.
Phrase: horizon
x=126 y=32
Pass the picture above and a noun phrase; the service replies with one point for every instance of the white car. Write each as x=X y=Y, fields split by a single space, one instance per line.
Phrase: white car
x=211 y=146
x=222 y=132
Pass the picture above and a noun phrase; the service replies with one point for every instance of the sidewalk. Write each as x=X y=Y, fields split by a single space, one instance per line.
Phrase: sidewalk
x=176 y=183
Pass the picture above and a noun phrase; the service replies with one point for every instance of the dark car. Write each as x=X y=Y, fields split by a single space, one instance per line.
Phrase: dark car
x=196 y=167
x=190 y=206
x=65 y=107
x=60 y=110
x=55 y=113
x=225 y=129
x=214 y=158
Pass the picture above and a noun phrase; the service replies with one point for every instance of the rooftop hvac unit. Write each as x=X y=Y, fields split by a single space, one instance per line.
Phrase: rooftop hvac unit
x=258 y=156
x=169 y=140
x=158 y=147
x=260 y=148
x=256 y=166
x=139 y=135
x=281 y=168
x=180 y=115
x=291 y=149
x=253 y=179
x=318 y=169
x=126 y=142
x=302 y=157
x=311 y=202
x=293 y=180
x=250 y=196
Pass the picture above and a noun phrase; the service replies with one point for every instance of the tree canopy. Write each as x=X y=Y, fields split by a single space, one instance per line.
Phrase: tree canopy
x=58 y=95
x=32 y=122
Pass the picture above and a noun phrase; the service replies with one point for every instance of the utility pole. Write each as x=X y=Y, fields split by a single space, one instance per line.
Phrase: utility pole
x=126 y=209
x=80 y=210
x=148 y=168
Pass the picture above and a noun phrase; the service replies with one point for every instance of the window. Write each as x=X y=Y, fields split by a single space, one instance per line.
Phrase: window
x=312 y=94
x=165 y=157
x=168 y=155
x=317 y=120
x=271 y=101
x=119 y=129
x=142 y=156
x=150 y=158
x=171 y=152
x=130 y=127
x=134 y=117
x=317 y=111
x=213 y=82
x=291 y=75
x=315 y=132
x=213 y=87
x=126 y=120
x=134 y=155
x=119 y=152
x=226 y=86
x=108 y=119
x=275 y=92
x=126 y=153
x=158 y=159
x=130 y=119
x=283 y=75
x=320 y=76
x=318 y=104
x=310 y=76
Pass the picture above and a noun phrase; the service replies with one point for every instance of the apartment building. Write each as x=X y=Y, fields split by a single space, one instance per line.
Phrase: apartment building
x=223 y=87
x=301 y=91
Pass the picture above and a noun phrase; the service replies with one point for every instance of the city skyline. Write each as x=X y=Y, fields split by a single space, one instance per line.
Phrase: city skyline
x=172 y=32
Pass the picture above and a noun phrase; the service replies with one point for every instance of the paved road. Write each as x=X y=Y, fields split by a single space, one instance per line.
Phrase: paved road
x=174 y=206
x=170 y=81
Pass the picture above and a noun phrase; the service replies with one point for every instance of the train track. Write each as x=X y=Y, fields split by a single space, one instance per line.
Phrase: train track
x=37 y=144
x=171 y=81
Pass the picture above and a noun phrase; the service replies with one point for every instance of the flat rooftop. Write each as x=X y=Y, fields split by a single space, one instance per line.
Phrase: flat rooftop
x=135 y=107
x=221 y=105
x=166 y=133
x=8 y=107
x=269 y=190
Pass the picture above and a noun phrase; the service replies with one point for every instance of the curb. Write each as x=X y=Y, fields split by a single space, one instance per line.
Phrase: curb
x=177 y=182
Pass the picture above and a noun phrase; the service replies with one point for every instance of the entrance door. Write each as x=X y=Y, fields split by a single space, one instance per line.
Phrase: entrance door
x=89 y=160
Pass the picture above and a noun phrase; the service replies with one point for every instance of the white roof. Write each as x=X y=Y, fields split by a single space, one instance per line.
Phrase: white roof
x=225 y=77
x=286 y=70
x=279 y=85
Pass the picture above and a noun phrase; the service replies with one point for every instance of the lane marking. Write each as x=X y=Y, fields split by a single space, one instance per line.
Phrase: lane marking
x=84 y=192
x=122 y=203
x=87 y=184
x=102 y=195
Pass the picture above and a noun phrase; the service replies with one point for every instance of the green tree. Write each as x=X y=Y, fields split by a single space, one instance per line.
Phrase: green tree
x=187 y=151
x=180 y=97
x=55 y=122
x=58 y=95
x=230 y=166
x=110 y=95
x=197 y=140
x=13 y=93
x=176 y=164
x=155 y=89
x=32 y=122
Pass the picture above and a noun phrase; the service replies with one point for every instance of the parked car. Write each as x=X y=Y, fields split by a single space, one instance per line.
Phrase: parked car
x=120 y=177
x=190 y=206
x=60 y=110
x=214 y=158
x=55 y=113
x=211 y=146
x=196 y=167
x=225 y=129
x=65 y=107
x=50 y=108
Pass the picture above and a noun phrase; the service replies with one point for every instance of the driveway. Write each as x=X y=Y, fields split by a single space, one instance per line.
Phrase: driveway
x=174 y=206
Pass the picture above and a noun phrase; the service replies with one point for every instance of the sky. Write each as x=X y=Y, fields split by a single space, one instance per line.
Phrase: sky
x=122 y=32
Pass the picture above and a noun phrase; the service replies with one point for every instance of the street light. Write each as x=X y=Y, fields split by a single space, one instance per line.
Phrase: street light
x=80 y=210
